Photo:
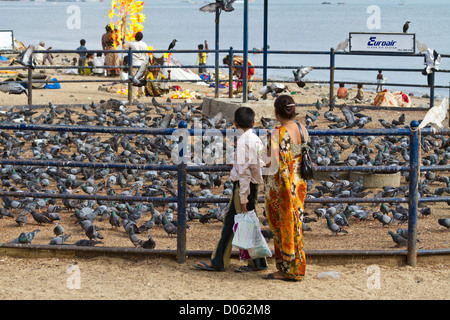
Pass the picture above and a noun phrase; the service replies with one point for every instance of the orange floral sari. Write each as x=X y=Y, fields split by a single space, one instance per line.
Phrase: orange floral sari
x=285 y=194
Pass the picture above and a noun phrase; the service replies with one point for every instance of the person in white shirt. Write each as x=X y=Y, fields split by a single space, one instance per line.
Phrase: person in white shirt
x=138 y=58
x=98 y=62
x=246 y=175
x=40 y=58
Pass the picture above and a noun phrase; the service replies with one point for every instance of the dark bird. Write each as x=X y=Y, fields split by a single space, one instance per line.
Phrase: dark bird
x=172 y=44
x=86 y=243
x=225 y=5
x=92 y=233
x=168 y=226
x=137 y=242
x=398 y=239
x=149 y=244
x=425 y=211
x=445 y=222
x=40 y=218
x=21 y=220
x=406 y=26
x=114 y=220
x=58 y=230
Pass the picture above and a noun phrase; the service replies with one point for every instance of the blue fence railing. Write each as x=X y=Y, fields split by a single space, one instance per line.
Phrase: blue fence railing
x=332 y=67
x=181 y=198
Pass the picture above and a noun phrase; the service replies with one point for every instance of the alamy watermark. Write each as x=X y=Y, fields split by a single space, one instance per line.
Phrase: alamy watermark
x=73 y=21
x=374 y=20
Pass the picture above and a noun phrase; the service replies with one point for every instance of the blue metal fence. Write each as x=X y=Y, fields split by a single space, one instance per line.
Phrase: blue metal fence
x=332 y=67
x=182 y=169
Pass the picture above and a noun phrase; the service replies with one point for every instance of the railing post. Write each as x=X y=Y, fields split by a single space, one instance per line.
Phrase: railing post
x=230 y=73
x=245 y=69
x=332 y=65
x=181 y=198
x=432 y=76
x=30 y=86
x=414 y=149
x=130 y=73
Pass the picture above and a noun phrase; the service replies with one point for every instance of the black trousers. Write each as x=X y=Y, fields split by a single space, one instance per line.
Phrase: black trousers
x=222 y=252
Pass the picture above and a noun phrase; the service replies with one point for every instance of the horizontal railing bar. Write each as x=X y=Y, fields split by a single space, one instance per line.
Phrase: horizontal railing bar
x=24 y=194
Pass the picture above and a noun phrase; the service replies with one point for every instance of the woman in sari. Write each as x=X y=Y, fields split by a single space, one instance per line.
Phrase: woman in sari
x=111 y=58
x=285 y=193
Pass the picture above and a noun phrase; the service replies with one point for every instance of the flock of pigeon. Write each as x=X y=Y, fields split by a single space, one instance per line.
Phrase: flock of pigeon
x=138 y=219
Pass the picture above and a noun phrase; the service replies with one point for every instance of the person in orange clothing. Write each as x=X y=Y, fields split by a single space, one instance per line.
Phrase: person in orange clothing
x=342 y=91
x=239 y=72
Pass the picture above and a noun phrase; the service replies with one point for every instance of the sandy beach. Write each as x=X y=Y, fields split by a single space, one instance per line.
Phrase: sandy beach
x=165 y=279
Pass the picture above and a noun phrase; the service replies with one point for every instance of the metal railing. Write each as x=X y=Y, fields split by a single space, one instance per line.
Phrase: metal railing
x=332 y=67
x=182 y=169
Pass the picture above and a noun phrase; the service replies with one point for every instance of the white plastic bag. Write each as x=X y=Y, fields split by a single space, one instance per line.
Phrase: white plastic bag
x=261 y=249
x=244 y=230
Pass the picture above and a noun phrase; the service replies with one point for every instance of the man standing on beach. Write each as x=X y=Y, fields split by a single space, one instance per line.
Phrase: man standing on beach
x=139 y=58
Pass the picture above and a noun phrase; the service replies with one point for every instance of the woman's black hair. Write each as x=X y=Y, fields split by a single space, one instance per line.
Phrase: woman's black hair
x=285 y=106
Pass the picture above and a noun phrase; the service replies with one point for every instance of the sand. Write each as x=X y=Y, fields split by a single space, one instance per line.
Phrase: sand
x=164 y=278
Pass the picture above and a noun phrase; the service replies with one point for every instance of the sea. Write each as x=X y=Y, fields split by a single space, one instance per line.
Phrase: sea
x=293 y=25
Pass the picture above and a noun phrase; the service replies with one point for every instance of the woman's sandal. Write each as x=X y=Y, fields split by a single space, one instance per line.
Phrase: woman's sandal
x=248 y=268
x=205 y=266
x=271 y=276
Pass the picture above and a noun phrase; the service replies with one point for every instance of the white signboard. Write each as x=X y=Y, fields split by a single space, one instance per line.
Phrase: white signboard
x=382 y=42
x=6 y=40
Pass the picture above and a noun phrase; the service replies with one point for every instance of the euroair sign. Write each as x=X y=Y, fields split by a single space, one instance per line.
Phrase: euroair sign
x=382 y=42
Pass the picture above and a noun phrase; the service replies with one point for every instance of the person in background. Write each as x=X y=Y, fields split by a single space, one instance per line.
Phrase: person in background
x=246 y=175
x=285 y=193
x=41 y=58
x=98 y=62
x=380 y=80
x=111 y=58
x=342 y=91
x=138 y=58
x=82 y=58
x=360 y=94
x=201 y=60
x=239 y=72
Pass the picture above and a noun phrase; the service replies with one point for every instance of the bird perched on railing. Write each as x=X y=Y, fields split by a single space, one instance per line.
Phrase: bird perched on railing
x=225 y=5
x=172 y=44
x=406 y=26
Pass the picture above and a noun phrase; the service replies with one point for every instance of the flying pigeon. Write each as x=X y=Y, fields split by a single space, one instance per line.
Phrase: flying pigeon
x=274 y=88
x=225 y=5
x=300 y=73
x=12 y=88
x=436 y=115
x=27 y=57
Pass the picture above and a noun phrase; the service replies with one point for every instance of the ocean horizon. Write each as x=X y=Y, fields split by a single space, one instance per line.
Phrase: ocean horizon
x=292 y=26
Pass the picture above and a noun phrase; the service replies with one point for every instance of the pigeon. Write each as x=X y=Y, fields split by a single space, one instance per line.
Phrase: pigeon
x=406 y=26
x=398 y=239
x=445 y=222
x=425 y=211
x=59 y=240
x=114 y=220
x=12 y=88
x=40 y=218
x=333 y=227
x=384 y=219
x=92 y=233
x=27 y=57
x=21 y=219
x=87 y=243
x=274 y=89
x=58 y=230
x=421 y=46
x=26 y=237
x=225 y=5
x=436 y=115
x=149 y=244
x=168 y=226
x=300 y=73
x=343 y=45
x=137 y=242
x=172 y=44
